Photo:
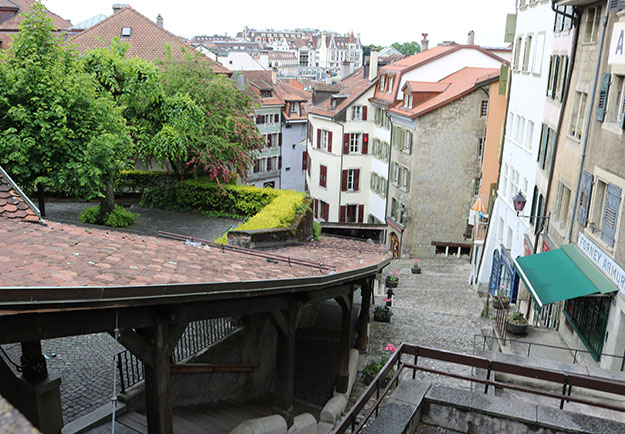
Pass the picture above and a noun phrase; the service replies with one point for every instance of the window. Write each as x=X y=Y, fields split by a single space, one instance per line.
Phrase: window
x=484 y=108
x=324 y=140
x=350 y=180
x=378 y=184
x=382 y=82
x=476 y=186
x=402 y=139
x=398 y=211
x=294 y=107
x=322 y=210
x=480 y=148
x=265 y=93
x=589 y=318
x=355 y=141
x=562 y=204
x=617 y=99
x=390 y=84
x=592 y=24
x=381 y=149
x=577 y=115
x=126 y=31
x=323 y=175
x=272 y=119
x=557 y=76
x=357 y=113
x=529 y=135
x=380 y=118
x=537 y=53
x=517 y=52
x=272 y=140
x=545 y=151
x=526 y=53
x=606 y=201
x=351 y=176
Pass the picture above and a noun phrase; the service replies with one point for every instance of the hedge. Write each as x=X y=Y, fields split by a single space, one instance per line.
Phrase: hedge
x=136 y=181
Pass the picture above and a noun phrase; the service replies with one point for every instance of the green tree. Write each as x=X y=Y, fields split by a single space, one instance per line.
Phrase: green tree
x=56 y=130
x=229 y=136
x=366 y=49
x=407 y=48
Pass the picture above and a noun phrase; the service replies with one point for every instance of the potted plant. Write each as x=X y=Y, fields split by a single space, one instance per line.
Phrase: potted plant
x=416 y=269
x=382 y=314
x=371 y=369
x=501 y=300
x=516 y=323
x=392 y=280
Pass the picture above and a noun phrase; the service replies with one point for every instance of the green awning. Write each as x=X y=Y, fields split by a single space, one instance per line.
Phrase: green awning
x=561 y=274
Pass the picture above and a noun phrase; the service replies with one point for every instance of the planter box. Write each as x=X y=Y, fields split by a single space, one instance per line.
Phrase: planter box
x=381 y=318
x=390 y=283
x=415 y=270
x=501 y=305
x=516 y=329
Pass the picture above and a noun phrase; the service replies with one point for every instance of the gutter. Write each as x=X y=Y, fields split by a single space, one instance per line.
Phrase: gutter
x=604 y=24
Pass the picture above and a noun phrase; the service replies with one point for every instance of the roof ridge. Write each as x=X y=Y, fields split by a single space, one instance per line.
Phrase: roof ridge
x=13 y=185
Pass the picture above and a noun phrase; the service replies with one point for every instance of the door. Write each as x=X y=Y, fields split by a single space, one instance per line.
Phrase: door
x=394 y=245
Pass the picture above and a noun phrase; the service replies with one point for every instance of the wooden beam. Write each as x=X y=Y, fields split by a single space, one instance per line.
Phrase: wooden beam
x=137 y=345
x=175 y=332
x=209 y=368
x=286 y=364
x=362 y=343
x=279 y=321
x=158 y=381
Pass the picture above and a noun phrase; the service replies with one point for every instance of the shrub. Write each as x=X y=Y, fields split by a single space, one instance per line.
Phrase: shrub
x=316 y=231
x=137 y=181
x=119 y=218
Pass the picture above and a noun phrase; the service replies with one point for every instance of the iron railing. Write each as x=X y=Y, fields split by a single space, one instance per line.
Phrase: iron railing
x=355 y=423
x=197 y=336
x=574 y=353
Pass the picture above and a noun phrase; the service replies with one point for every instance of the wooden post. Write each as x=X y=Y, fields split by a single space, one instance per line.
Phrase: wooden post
x=342 y=377
x=286 y=324
x=158 y=383
x=34 y=362
x=365 y=305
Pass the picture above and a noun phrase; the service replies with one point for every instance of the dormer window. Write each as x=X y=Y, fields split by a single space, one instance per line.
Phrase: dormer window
x=390 y=85
x=382 y=82
x=126 y=32
x=406 y=101
x=294 y=107
x=265 y=93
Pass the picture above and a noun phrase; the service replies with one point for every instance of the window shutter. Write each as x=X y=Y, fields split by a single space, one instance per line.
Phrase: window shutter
x=565 y=65
x=318 y=138
x=344 y=180
x=329 y=141
x=603 y=97
x=316 y=209
x=323 y=172
x=269 y=140
x=309 y=165
x=556 y=70
x=610 y=214
x=279 y=139
x=356 y=180
x=584 y=198
x=408 y=144
x=279 y=162
x=623 y=113
x=304 y=160
x=361 y=211
x=365 y=143
x=550 y=76
x=346 y=143
x=407 y=180
x=256 y=165
x=326 y=211
x=343 y=213
x=364 y=112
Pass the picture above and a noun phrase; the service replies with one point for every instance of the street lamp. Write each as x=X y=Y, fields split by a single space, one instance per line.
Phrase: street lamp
x=519 y=202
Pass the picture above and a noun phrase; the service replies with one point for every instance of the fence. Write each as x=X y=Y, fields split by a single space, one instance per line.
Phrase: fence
x=353 y=421
x=197 y=336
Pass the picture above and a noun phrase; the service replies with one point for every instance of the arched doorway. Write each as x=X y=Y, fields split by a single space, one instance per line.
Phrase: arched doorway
x=394 y=245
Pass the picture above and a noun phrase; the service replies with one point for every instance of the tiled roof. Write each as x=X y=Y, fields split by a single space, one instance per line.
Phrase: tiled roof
x=12 y=204
x=425 y=86
x=257 y=80
x=147 y=40
x=64 y=255
x=24 y=6
x=353 y=86
x=455 y=86
x=290 y=94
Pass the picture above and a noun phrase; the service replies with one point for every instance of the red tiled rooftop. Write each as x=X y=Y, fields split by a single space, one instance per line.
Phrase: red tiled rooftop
x=65 y=255
x=12 y=205
x=455 y=85
x=24 y=6
x=352 y=86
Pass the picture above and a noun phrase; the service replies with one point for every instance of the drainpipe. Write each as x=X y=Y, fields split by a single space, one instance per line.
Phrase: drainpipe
x=565 y=97
x=388 y=170
x=590 y=112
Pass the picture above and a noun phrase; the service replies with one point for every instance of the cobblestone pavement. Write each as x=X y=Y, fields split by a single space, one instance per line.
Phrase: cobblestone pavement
x=437 y=308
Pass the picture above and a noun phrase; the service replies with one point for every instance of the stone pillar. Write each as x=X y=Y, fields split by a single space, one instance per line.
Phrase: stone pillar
x=362 y=344
x=342 y=377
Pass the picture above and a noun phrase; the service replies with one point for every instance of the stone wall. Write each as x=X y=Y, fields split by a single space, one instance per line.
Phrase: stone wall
x=444 y=164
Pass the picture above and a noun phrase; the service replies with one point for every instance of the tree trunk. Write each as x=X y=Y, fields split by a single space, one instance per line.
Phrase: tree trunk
x=107 y=203
x=41 y=199
x=177 y=172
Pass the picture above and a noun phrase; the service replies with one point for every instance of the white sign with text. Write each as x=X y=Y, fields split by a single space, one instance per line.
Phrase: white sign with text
x=617 y=45
x=611 y=269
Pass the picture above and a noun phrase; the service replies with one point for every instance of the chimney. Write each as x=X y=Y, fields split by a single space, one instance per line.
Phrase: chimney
x=344 y=69
x=159 y=21
x=424 y=42
x=373 y=64
x=471 y=38
x=118 y=7
x=274 y=75
x=328 y=77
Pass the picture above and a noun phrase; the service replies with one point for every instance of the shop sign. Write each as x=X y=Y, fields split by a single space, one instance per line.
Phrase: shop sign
x=617 y=45
x=546 y=247
x=606 y=264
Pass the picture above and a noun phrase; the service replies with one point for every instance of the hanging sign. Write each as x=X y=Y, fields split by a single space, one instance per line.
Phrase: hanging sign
x=617 y=45
x=611 y=269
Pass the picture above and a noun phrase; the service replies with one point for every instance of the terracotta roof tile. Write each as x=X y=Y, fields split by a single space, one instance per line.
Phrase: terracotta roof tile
x=12 y=204
x=447 y=90
x=147 y=40
x=353 y=86
x=68 y=255
x=24 y=6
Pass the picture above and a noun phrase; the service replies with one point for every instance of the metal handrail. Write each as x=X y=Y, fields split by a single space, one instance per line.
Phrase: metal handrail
x=567 y=380
x=538 y=344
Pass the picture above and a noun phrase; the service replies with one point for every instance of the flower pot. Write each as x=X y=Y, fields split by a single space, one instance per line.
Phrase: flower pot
x=501 y=304
x=415 y=270
x=367 y=378
x=516 y=329
x=391 y=283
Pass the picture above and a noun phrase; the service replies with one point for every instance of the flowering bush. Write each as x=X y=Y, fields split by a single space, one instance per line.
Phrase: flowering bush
x=382 y=312
x=394 y=276
x=415 y=263
x=371 y=369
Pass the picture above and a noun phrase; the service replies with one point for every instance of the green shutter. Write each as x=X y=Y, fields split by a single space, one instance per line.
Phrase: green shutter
x=554 y=81
x=603 y=97
x=504 y=73
x=407 y=180
x=623 y=112
x=584 y=198
x=610 y=214
x=510 y=28
x=565 y=64
x=550 y=76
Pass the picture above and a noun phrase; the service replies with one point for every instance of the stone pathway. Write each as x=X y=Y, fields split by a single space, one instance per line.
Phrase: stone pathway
x=437 y=308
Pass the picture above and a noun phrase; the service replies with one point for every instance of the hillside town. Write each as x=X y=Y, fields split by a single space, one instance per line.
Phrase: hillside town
x=294 y=231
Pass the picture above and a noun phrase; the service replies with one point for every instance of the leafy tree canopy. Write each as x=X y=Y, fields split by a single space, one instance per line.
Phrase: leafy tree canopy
x=407 y=48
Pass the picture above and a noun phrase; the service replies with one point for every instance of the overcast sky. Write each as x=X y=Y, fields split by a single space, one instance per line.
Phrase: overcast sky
x=378 y=22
